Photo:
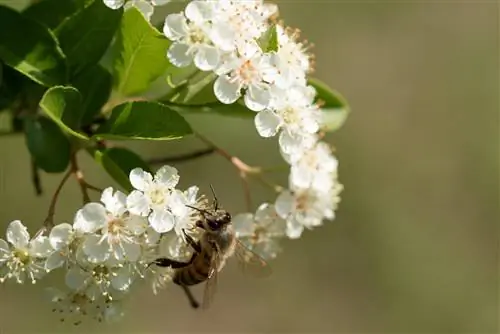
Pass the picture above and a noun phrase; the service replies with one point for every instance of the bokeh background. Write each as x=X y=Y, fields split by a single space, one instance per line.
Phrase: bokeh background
x=414 y=248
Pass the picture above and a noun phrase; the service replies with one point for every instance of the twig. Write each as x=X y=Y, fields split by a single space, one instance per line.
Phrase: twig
x=182 y=157
x=244 y=170
x=35 y=178
x=246 y=191
x=84 y=186
x=48 y=223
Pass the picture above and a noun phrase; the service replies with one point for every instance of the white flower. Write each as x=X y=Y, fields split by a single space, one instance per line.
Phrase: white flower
x=21 y=257
x=117 y=228
x=292 y=111
x=239 y=22
x=306 y=208
x=244 y=73
x=61 y=238
x=189 y=31
x=315 y=168
x=153 y=194
x=260 y=232
x=185 y=217
x=290 y=62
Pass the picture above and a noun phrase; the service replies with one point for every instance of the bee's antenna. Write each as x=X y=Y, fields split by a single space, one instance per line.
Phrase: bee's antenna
x=205 y=212
x=216 y=202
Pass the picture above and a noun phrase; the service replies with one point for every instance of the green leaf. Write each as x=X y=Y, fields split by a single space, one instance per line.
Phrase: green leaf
x=50 y=12
x=85 y=36
x=144 y=120
x=11 y=83
x=269 y=41
x=237 y=109
x=118 y=162
x=335 y=107
x=95 y=86
x=140 y=54
x=64 y=106
x=47 y=144
x=30 y=48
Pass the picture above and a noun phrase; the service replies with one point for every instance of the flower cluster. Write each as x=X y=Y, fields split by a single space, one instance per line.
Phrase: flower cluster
x=109 y=244
x=228 y=37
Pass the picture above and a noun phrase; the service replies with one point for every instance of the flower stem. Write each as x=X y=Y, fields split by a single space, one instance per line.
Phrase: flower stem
x=84 y=185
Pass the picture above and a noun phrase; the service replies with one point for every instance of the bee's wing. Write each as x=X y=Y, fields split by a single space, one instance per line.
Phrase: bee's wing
x=211 y=283
x=250 y=262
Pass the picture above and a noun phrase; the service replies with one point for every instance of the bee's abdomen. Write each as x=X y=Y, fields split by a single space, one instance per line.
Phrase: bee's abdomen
x=195 y=273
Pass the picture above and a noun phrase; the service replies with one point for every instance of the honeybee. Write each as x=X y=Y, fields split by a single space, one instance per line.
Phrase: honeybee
x=217 y=243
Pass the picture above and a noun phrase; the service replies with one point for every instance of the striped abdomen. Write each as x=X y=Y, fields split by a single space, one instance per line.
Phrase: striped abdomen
x=196 y=272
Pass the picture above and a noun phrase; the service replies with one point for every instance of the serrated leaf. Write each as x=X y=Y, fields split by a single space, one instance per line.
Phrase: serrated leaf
x=50 y=12
x=118 y=162
x=64 y=106
x=30 y=48
x=47 y=144
x=334 y=106
x=140 y=54
x=95 y=86
x=144 y=120
x=85 y=36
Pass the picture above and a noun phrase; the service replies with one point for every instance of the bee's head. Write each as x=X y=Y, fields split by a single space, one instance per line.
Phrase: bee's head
x=214 y=221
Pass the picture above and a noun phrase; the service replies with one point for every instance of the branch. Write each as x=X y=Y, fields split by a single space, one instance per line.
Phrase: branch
x=35 y=178
x=182 y=157
x=84 y=186
x=48 y=223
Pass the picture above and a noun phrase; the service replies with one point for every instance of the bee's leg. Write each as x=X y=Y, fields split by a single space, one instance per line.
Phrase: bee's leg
x=196 y=245
x=189 y=294
x=166 y=262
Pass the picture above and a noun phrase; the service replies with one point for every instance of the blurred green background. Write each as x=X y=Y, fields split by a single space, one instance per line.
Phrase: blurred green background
x=415 y=245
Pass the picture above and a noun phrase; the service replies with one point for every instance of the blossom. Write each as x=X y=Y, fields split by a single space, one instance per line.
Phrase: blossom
x=292 y=111
x=152 y=196
x=306 y=208
x=21 y=257
x=291 y=62
x=315 y=168
x=244 y=73
x=111 y=230
x=145 y=6
x=190 y=33
x=260 y=232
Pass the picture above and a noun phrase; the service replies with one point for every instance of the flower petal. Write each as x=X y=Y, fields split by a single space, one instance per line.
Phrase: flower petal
x=140 y=179
x=41 y=247
x=4 y=250
x=267 y=123
x=76 y=278
x=244 y=225
x=90 y=218
x=136 y=224
x=294 y=229
x=285 y=204
x=226 y=91
x=137 y=203
x=144 y=7
x=161 y=221
x=55 y=260
x=179 y=54
x=167 y=176
x=175 y=26
x=114 y=4
x=207 y=58
x=61 y=235
x=17 y=234
x=97 y=251
x=122 y=280
x=257 y=99
x=115 y=202
x=199 y=11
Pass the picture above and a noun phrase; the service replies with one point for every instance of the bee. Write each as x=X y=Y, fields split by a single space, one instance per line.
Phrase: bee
x=217 y=243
